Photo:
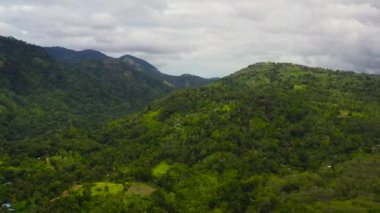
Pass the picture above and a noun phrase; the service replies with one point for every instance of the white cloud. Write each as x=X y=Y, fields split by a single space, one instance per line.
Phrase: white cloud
x=208 y=38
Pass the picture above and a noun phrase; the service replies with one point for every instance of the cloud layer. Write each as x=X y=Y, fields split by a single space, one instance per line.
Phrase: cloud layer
x=206 y=38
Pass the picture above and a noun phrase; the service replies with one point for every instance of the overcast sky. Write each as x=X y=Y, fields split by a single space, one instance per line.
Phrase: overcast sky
x=206 y=38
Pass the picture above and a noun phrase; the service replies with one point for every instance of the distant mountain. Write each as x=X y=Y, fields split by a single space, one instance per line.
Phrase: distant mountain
x=139 y=64
x=64 y=55
x=68 y=56
x=185 y=80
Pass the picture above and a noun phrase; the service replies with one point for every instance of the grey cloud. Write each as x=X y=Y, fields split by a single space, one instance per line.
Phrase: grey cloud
x=208 y=38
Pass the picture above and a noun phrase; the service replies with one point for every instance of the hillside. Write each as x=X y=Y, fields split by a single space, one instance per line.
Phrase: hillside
x=39 y=95
x=261 y=139
x=269 y=138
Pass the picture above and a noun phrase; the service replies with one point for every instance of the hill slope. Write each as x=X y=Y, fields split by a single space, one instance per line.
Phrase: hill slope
x=39 y=95
x=269 y=138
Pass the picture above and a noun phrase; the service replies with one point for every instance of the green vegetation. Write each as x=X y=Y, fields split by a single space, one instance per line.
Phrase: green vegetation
x=161 y=169
x=269 y=138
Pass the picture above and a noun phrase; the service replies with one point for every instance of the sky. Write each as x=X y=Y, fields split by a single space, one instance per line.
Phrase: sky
x=211 y=38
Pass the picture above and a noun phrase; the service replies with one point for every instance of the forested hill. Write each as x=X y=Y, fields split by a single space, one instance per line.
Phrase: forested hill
x=269 y=138
x=40 y=95
x=65 y=55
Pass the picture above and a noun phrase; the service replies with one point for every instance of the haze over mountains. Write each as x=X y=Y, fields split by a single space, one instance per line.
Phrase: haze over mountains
x=64 y=55
x=84 y=132
x=182 y=36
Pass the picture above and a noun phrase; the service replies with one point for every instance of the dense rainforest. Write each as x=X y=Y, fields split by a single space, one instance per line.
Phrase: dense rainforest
x=101 y=135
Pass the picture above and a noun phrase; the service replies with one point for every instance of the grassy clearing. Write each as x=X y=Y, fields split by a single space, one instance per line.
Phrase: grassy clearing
x=140 y=189
x=104 y=188
x=299 y=87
